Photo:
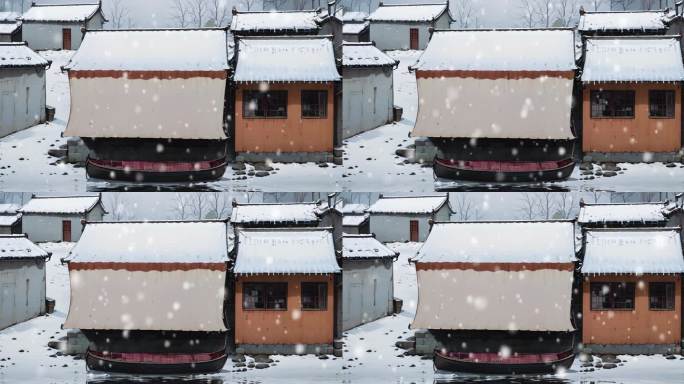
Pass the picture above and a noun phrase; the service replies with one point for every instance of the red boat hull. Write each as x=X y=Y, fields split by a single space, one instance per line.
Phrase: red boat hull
x=502 y=171
x=492 y=363
x=156 y=363
x=156 y=171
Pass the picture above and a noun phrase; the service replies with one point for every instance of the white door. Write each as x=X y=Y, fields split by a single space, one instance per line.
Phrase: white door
x=7 y=104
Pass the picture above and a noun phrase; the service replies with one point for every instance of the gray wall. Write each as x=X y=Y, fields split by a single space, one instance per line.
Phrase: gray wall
x=368 y=290
x=22 y=98
x=392 y=36
x=22 y=290
x=45 y=36
x=396 y=228
x=368 y=99
x=48 y=228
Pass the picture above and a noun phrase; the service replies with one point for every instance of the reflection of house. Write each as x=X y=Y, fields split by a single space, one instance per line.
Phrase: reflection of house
x=407 y=218
x=368 y=87
x=368 y=279
x=355 y=219
x=285 y=290
x=22 y=279
x=10 y=28
x=633 y=114
x=46 y=219
x=356 y=28
x=631 y=300
x=151 y=296
x=60 y=26
x=407 y=26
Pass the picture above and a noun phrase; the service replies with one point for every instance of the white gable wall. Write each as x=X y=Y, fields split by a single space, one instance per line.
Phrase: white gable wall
x=368 y=290
x=45 y=36
x=48 y=228
x=22 y=291
x=396 y=35
x=22 y=98
x=397 y=227
x=368 y=99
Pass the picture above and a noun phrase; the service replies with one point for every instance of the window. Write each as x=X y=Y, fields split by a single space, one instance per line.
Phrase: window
x=271 y=104
x=612 y=104
x=661 y=296
x=612 y=296
x=315 y=104
x=315 y=296
x=661 y=104
x=264 y=296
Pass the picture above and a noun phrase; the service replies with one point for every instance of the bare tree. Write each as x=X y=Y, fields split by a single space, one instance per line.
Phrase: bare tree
x=248 y=4
x=464 y=14
x=199 y=12
x=119 y=14
x=597 y=4
x=218 y=11
x=180 y=13
x=199 y=204
x=219 y=204
x=565 y=205
x=528 y=13
x=116 y=206
x=181 y=206
x=623 y=5
x=596 y=196
x=546 y=205
x=544 y=10
x=465 y=208
x=528 y=206
x=566 y=11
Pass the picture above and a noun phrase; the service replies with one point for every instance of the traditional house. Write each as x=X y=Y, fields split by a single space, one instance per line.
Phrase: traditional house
x=626 y=215
x=60 y=26
x=355 y=27
x=152 y=107
x=22 y=89
x=285 y=290
x=10 y=28
x=407 y=218
x=496 y=290
x=49 y=219
x=631 y=299
x=368 y=88
x=368 y=280
x=22 y=280
x=285 y=92
x=275 y=5
x=150 y=296
x=407 y=26
x=529 y=135
x=616 y=5
x=617 y=23
x=355 y=219
x=632 y=114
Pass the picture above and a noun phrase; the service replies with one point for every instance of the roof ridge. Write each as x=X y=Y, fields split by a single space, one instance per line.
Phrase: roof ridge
x=224 y=29
x=159 y=222
x=411 y=4
x=628 y=11
x=636 y=229
x=62 y=5
x=551 y=221
x=286 y=229
x=510 y=29
x=635 y=203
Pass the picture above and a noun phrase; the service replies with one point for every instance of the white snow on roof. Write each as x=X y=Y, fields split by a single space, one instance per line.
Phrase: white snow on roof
x=638 y=251
x=9 y=16
x=152 y=50
x=502 y=50
x=364 y=55
x=620 y=21
x=8 y=28
x=284 y=251
x=19 y=247
x=354 y=209
x=499 y=242
x=353 y=220
x=364 y=247
x=408 y=204
x=354 y=17
x=408 y=12
x=633 y=59
x=66 y=12
x=9 y=208
x=8 y=220
x=19 y=55
x=56 y=205
x=274 y=213
x=622 y=213
x=286 y=59
x=152 y=242
x=274 y=21
x=354 y=28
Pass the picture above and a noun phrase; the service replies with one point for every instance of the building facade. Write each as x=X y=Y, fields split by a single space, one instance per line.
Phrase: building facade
x=407 y=218
x=60 y=26
x=407 y=26
x=55 y=219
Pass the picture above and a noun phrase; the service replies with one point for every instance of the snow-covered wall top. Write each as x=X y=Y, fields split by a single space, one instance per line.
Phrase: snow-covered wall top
x=60 y=205
x=354 y=209
x=622 y=213
x=621 y=21
x=13 y=55
x=8 y=28
x=354 y=220
x=354 y=17
x=499 y=242
x=351 y=28
x=364 y=247
x=8 y=17
x=274 y=21
x=636 y=251
x=407 y=204
x=499 y=50
x=408 y=12
x=8 y=208
x=152 y=50
x=633 y=59
x=61 y=12
x=286 y=59
x=284 y=251
x=274 y=213
x=19 y=247
x=365 y=55
x=8 y=220
x=152 y=242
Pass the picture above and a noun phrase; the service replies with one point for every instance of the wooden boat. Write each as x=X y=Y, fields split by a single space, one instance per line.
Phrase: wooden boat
x=157 y=171
x=493 y=363
x=156 y=363
x=502 y=171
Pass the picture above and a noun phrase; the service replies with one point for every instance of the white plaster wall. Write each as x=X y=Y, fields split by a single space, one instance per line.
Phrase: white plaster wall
x=368 y=99
x=48 y=228
x=368 y=290
x=396 y=228
x=22 y=290
x=392 y=36
x=45 y=36
x=22 y=98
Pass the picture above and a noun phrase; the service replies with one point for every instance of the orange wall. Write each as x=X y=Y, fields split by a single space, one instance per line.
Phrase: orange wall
x=640 y=326
x=283 y=327
x=638 y=134
x=291 y=134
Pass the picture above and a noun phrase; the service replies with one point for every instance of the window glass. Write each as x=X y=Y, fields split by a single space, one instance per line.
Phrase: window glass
x=271 y=104
x=661 y=104
x=315 y=296
x=264 y=296
x=612 y=296
x=612 y=104
x=315 y=104
x=661 y=296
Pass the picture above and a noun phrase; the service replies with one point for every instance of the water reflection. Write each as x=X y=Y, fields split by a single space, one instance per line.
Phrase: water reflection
x=108 y=379
x=454 y=379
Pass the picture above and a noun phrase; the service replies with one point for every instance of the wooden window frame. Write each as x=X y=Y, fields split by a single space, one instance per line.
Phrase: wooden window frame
x=594 y=92
x=247 y=97
x=665 y=284
x=264 y=285
x=325 y=104
x=674 y=103
x=627 y=286
x=317 y=284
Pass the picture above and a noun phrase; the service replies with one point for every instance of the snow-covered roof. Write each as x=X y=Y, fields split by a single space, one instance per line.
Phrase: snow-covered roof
x=364 y=247
x=152 y=242
x=633 y=251
x=357 y=17
x=365 y=55
x=351 y=220
x=499 y=50
x=407 y=204
x=622 y=21
x=8 y=28
x=152 y=50
x=14 y=55
x=499 y=242
x=633 y=59
x=285 y=251
x=60 y=205
x=19 y=247
x=354 y=209
x=275 y=213
x=354 y=28
x=408 y=12
x=622 y=213
x=9 y=220
x=286 y=59
x=61 y=12
x=9 y=208
x=9 y=17
x=274 y=21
